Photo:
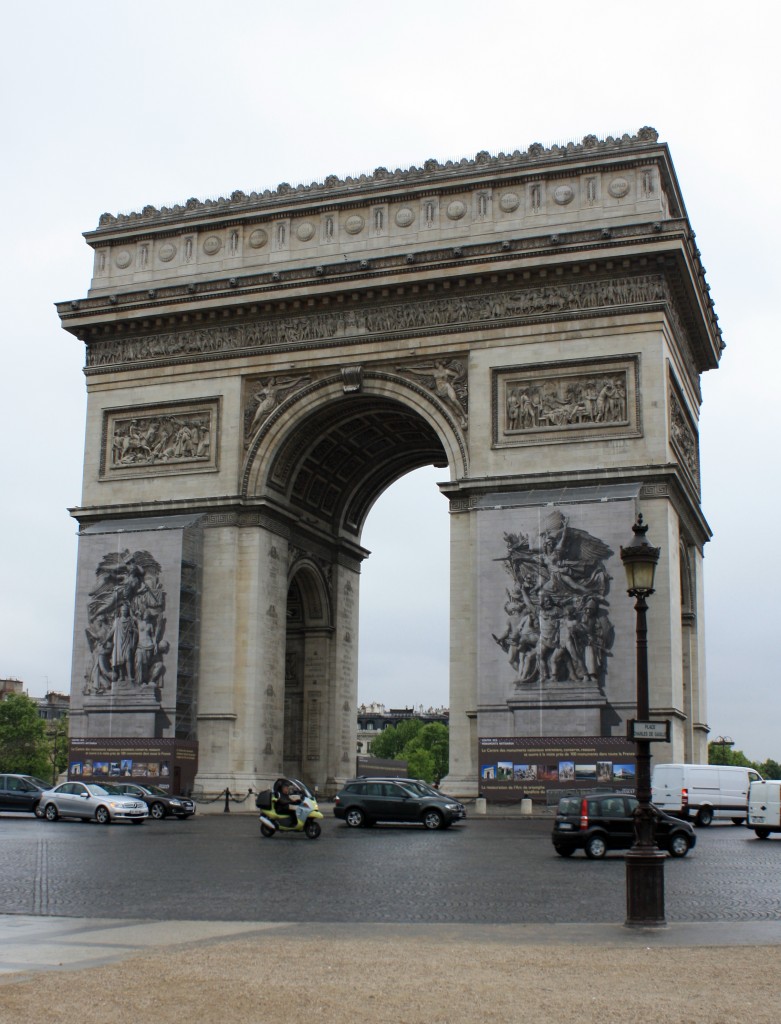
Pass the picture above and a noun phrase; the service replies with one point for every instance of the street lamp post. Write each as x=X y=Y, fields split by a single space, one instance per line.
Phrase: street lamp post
x=644 y=861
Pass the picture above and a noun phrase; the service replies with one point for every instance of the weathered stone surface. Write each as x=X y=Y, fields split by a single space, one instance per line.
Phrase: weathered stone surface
x=536 y=324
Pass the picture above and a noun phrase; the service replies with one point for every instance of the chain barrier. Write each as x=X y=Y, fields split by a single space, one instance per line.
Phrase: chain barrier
x=227 y=796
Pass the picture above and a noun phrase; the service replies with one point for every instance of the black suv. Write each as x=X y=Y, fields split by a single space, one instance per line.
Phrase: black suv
x=21 y=793
x=598 y=822
x=160 y=803
x=419 y=786
x=366 y=801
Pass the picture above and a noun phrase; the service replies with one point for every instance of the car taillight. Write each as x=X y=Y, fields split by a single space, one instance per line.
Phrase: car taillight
x=336 y=799
x=684 y=798
x=584 y=814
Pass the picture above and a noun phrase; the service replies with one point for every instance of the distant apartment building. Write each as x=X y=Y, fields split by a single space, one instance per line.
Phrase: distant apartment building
x=373 y=718
x=51 y=707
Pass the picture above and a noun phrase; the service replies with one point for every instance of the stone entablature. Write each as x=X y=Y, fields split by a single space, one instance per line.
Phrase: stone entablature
x=551 y=298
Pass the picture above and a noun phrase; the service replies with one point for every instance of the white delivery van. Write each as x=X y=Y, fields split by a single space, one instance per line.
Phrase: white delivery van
x=703 y=791
x=764 y=807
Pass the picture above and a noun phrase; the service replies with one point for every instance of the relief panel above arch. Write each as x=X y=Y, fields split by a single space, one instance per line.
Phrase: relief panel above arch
x=576 y=400
x=164 y=438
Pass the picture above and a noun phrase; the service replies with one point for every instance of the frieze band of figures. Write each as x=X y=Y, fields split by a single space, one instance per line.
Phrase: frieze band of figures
x=402 y=317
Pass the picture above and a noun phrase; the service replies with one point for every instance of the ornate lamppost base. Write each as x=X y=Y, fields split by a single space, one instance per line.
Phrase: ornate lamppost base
x=645 y=888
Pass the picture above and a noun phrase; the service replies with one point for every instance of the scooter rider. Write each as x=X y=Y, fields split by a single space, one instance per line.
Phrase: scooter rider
x=284 y=801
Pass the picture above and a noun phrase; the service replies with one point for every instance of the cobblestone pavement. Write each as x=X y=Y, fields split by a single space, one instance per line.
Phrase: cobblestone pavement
x=484 y=871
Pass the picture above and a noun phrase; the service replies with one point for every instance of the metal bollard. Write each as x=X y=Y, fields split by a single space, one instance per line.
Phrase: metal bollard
x=227 y=807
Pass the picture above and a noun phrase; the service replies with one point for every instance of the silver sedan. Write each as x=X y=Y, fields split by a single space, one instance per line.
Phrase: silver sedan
x=88 y=800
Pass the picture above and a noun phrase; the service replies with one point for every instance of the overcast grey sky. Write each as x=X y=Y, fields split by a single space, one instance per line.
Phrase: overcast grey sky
x=112 y=107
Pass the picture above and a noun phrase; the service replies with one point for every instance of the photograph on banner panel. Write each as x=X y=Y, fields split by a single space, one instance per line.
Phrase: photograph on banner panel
x=555 y=644
x=134 y=653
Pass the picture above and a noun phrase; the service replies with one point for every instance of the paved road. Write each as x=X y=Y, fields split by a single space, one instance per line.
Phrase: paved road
x=485 y=871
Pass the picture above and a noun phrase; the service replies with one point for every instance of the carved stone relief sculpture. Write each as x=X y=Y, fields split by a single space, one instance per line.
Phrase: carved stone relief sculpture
x=540 y=404
x=683 y=436
x=160 y=438
x=399 y=318
x=557 y=626
x=265 y=394
x=448 y=380
x=126 y=624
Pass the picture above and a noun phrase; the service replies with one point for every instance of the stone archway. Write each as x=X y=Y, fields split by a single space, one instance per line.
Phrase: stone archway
x=262 y=367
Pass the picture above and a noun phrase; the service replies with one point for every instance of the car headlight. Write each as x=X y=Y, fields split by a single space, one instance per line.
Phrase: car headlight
x=451 y=807
x=175 y=803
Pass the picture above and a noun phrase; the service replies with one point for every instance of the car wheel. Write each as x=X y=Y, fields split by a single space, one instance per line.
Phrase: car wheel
x=565 y=851
x=38 y=810
x=679 y=845
x=433 y=819
x=355 y=817
x=762 y=833
x=267 y=831
x=704 y=817
x=102 y=816
x=157 y=811
x=51 y=813
x=596 y=848
x=312 y=829
x=738 y=821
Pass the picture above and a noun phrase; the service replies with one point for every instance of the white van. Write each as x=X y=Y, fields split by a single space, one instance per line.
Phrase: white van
x=703 y=791
x=764 y=808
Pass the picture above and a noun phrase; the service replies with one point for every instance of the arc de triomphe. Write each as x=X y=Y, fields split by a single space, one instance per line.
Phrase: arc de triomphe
x=261 y=368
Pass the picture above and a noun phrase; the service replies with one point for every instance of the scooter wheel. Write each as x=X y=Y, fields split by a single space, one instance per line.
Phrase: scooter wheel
x=266 y=831
x=312 y=829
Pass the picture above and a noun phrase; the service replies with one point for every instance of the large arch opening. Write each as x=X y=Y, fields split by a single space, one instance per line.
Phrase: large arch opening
x=405 y=596
x=339 y=459
x=328 y=466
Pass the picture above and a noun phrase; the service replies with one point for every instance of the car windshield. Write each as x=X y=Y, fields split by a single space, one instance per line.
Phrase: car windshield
x=156 y=790
x=37 y=782
x=424 y=787
x=108 y=787
x=569 y=805
x=299 y=785
x=107 y=790
x=418 y=788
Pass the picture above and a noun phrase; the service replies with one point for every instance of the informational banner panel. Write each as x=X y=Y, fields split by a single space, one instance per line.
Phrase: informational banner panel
x=168 y=763
x=548 y=767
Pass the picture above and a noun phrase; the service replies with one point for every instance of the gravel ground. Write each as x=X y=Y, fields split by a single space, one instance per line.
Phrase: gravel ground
x=402 y=979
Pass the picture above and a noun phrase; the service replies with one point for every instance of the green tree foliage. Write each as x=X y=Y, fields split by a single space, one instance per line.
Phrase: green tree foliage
x=425 y=748
x=393 y=739
x=725 y=753
x=57 y=736
x=24 y=746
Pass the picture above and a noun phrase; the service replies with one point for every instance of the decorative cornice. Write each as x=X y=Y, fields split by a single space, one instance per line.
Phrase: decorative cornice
x=431 y=171
x=592 y=242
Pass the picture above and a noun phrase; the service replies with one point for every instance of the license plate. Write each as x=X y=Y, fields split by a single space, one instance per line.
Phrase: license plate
x=565 y=826
x=756 y=819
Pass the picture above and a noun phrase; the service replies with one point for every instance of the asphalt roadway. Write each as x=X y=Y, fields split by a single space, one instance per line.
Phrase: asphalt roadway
x=80 y=900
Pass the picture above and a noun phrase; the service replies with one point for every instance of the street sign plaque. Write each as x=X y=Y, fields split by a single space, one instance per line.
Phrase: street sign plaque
x=659 y=731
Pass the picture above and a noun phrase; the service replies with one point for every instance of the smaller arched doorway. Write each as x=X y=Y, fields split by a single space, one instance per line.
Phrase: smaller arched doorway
x=308 y=655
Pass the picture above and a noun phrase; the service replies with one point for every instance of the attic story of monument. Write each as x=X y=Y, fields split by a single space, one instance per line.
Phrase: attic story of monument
x=261 y=368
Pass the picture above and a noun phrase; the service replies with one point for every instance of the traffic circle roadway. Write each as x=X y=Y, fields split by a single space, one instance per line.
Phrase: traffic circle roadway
x=482 y=871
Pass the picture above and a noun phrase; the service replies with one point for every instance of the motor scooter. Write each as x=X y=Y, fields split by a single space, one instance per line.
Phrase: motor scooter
x=308 y=816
